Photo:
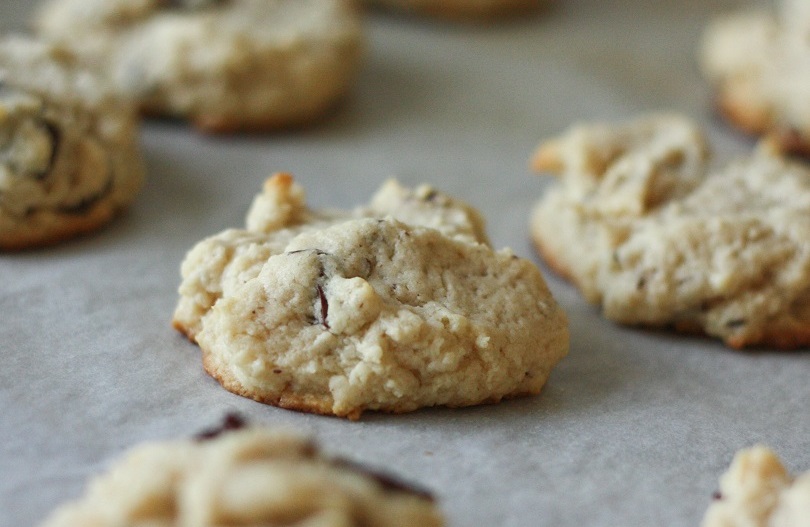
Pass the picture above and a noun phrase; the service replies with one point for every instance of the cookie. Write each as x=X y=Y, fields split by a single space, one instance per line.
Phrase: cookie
x=226 y=65
x=247 y=476
x=69 y=152
x=757 y=63
x=757 y=491
x=649 y=230
x=395 y=306
x=480 y=10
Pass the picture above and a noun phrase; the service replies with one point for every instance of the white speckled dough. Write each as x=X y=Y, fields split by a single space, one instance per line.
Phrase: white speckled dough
x=224 y=64
x=757 y=491
x=646 y=228
x=462 y=9
x=759 y=63
x=248 y=477
x=69 y=152
x=392 y=307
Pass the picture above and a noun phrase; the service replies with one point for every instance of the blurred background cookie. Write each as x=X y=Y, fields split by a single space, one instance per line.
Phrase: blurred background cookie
x=758 y=62
x=244 y=476
x=649 y=230
x=69 y=149
x=226 y=65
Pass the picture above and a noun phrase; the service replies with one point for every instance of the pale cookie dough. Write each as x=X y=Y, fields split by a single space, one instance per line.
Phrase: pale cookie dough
x=249 y=477
x=757 y=491
x=462 y=9
x=394 y=306
x=226 y=65
x=646 y=228
x=69 y=150
x=759 y=64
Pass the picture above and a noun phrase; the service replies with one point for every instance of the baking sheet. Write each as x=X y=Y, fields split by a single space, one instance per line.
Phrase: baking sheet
x=634 y=427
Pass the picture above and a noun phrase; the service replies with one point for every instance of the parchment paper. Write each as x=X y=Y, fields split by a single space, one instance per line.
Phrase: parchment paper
x=634 y=427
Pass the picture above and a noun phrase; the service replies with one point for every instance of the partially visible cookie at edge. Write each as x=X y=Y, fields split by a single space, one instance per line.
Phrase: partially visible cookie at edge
x=69 y=148
x=650 y=230
x=394 y=306
x=757 y=491
x=463 y=10
x=757 y=63
x=248 y=476
x=226 y=65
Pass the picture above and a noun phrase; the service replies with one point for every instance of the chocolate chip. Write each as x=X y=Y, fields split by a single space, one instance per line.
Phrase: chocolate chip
x=324 y=307
x=735 y=323
x=317 y=251
x=231 y=421
x=56 y=139
x=86 y=203
x=310 y=450
x=191 y=4
x=642 y=281
x=717 y=495
x=431 y=196
x=324 y=311
x=792 y=140
x=386 y=481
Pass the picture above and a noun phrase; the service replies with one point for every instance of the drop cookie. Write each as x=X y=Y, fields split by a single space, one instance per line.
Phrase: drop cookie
x=248 y=476
x=758 y=62
x=226 y=65
x=69 y=149
x=649 y=230
x=480 y=10
x=395 y=306
x=757 y=491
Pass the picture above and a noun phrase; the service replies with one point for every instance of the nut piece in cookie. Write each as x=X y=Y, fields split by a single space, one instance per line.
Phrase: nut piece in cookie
x=646 y=228
x=757 y=491
x=394 y=306
x=757 y=62
x=69 y=152
x=245 y=476
x=226 y=65
x=463 y=10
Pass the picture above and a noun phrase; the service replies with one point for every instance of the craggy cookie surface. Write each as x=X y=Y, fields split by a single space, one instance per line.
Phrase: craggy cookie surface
x=392 y=307
x=646 y=228
x=224 y=64
x=757 y=491
x=69 y=153
x=462 y=9
x=251 y=477
x=759 y=63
